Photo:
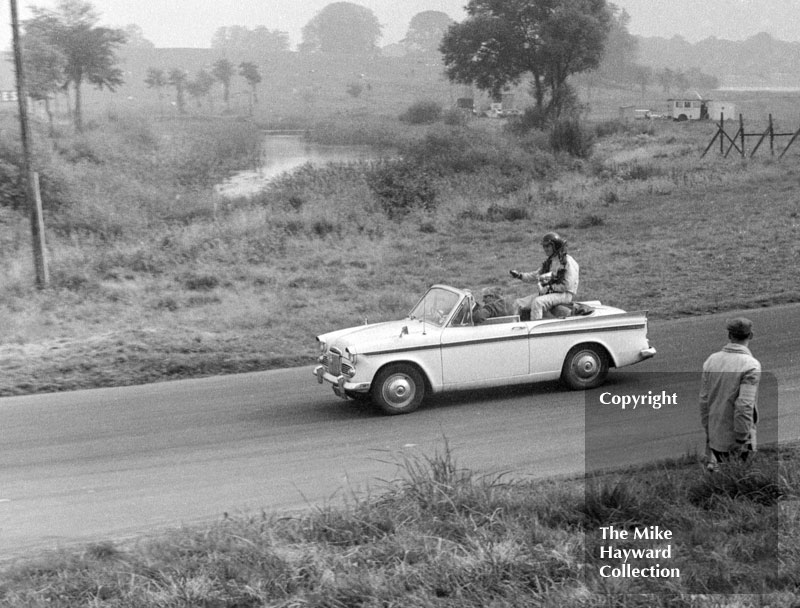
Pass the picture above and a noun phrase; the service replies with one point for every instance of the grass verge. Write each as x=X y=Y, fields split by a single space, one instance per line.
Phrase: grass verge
x=440 y=535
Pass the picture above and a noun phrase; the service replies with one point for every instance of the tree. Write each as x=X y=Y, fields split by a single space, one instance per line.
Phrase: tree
x=503 y=40
x=619 y=57
x=681 y=81
x=574 y=42
x=134 y=38
x=200 y=88
x=89 y=51
x=156 y=79
x=45 y=67
x=342 y=28
x=643 y=76
x=178 y=78
x=239 y=41
x=249 y=71
x=425 y=31
x=700 y=80
x=666 y=79
x=223 y=71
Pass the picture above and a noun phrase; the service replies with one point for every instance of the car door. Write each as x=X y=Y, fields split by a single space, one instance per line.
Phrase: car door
x=476 y=354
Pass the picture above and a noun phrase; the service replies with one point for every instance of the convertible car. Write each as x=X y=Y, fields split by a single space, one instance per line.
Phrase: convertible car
x=439 y=347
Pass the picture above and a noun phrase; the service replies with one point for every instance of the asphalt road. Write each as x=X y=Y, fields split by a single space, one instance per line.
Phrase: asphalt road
x=111 y=463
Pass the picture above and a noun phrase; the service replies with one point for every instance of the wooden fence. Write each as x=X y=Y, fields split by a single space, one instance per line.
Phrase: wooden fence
x=737 y=142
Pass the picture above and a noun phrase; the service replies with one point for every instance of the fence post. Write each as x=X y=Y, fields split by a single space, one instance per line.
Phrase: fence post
x=791 y=141
x=722 y=130
x=741 y=131
x=711 y=143
x=771 y=137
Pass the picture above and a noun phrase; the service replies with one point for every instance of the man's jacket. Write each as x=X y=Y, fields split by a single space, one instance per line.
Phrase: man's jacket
x=728 y=397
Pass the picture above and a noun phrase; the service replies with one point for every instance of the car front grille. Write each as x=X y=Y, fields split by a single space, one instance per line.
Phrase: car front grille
x=335 y=362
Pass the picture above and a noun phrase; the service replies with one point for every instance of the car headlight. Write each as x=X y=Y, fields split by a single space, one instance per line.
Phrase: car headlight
x=321 y=345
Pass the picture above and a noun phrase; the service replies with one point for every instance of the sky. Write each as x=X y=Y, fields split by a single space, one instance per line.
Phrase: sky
x=192 y=23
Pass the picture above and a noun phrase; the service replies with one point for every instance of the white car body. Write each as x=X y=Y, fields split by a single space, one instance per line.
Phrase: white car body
x=438 y=347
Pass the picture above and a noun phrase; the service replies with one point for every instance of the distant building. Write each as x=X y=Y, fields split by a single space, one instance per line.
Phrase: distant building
x=700 y=109
x=688 y=109
x=466 y=104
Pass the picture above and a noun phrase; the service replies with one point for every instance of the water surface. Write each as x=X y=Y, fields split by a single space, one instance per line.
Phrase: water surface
x=284 y=153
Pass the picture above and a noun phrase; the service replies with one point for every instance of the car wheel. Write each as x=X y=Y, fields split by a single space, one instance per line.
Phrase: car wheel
x=398 y=389
x=585 y=366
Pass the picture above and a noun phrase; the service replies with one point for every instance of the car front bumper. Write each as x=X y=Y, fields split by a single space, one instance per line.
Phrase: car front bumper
x=339 y=383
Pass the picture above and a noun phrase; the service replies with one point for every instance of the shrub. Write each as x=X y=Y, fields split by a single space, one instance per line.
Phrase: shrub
x=640 y=171
x=79 y=149
x=568 y=135
x=422 y=112
x=533 y=118
x=402 y=186
x=210 y=152
x=610 y=197
x=454 y=117
x=590 y=221
x=200 y=282
x=448 y=151
x=12 y=192
x=354 y=89
x=607 y=128
x=496 y=213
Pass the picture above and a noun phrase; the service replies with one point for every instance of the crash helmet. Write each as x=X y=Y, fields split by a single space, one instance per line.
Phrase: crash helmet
x=554 y=239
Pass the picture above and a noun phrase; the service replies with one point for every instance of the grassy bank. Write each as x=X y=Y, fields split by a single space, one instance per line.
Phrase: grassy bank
x=154 y=276
x=440 y=535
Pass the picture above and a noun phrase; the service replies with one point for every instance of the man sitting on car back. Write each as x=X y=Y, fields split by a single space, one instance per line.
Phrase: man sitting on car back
x=557 y=279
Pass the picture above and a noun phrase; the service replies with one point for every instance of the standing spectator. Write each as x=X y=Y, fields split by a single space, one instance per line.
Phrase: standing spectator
x=728 y=396
x=557 y=279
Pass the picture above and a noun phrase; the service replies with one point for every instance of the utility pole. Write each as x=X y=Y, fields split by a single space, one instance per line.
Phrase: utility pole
x=31 y=181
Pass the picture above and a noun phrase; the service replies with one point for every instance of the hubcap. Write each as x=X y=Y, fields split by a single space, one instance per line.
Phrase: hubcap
x=586 y=365
x=398 y=390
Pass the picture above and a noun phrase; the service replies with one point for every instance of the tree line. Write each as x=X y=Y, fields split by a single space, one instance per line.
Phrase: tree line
x=200 y=87
x=500 y=43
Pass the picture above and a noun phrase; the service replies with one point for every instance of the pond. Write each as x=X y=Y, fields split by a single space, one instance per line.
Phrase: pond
x=283 y=153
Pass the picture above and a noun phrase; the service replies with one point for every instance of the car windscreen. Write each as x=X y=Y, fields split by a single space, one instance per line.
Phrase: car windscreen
x=435 y=307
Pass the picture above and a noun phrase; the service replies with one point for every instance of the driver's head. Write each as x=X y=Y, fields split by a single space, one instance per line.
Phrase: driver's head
x=491 y=293
x=554 y=240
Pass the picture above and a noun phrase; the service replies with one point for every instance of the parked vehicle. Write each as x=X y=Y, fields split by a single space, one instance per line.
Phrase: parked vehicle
x=439 y=347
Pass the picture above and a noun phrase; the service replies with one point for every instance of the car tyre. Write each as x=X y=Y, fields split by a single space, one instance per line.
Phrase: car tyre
x=398 y=389
x=585 y=366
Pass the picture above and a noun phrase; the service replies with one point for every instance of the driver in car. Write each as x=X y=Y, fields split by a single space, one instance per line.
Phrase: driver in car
x=493 y=305
x=557 y=279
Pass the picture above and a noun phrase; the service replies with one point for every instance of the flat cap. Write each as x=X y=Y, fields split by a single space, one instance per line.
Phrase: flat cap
x=740 y=327
x=492 y=292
